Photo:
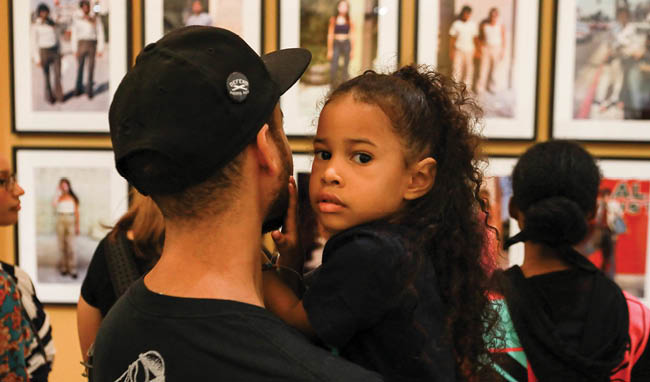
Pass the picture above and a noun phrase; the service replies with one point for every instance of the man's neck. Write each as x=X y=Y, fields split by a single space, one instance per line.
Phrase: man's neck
x=217 y=258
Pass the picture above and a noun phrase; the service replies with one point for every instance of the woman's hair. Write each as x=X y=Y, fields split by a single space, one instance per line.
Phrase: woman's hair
x=70 y=191
x=436 y=117
x=555 y=185
x=347 y=14
x=146 y=222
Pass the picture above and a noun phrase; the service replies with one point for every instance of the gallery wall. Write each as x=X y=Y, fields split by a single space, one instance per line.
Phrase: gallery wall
x=66 y=367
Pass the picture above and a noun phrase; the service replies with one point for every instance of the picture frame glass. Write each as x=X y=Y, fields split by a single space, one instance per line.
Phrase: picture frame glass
x=72 y=199
x=602 y=71
x=492 y=47
x=362 y=35
x=243 y=17
x=68 y=59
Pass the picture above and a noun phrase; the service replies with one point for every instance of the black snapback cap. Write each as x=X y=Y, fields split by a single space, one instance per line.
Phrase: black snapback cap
x=192 y=102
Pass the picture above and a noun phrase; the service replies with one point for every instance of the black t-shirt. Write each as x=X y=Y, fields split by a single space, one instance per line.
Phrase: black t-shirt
x=147 y=335
x=97 y=288
x=358 y=304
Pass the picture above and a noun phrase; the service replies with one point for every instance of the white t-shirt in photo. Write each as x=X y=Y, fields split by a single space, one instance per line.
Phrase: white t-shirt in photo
x=465 y=32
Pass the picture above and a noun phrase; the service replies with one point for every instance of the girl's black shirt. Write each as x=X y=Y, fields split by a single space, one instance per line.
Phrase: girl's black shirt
x=365 y=303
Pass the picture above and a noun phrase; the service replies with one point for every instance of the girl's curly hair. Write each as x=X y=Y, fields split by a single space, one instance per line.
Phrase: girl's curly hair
x=437 y=118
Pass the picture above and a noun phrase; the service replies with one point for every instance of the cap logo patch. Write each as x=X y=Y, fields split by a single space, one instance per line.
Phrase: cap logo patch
x=237 y=86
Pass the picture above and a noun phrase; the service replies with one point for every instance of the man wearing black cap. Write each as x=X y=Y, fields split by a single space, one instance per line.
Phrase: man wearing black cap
x=196 y=125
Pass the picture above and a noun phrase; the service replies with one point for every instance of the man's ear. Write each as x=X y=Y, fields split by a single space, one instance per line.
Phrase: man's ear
x=267 y=156
x=423 y=176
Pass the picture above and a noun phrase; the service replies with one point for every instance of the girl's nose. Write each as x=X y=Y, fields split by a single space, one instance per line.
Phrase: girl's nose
x=331 y=175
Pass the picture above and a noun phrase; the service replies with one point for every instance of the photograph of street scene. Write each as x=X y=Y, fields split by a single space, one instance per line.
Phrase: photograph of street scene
x=612 y=60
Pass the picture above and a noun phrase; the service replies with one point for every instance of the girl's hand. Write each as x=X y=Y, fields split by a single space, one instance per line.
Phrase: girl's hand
x=287 y=239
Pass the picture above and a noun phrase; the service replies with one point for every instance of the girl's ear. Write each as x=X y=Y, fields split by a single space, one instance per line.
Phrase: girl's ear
x=423 y=176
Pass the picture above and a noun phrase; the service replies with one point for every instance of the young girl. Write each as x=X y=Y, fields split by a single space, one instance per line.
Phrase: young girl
x=395 y=186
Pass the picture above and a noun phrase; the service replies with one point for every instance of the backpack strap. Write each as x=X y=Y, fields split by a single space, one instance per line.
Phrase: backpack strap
x=121 y=264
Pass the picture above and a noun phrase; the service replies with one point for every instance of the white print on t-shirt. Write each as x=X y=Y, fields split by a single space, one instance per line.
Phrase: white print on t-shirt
x=153 y=366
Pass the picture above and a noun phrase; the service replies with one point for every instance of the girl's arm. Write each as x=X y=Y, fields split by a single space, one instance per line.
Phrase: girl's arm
x=291 y=260
x=281 y=286
x=284 y=303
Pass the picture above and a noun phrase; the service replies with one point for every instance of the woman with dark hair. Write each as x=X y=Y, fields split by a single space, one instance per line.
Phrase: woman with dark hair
x=66 y=205
x=131 y=248
x=339 y=42
x=566 y=320
x=395 y=185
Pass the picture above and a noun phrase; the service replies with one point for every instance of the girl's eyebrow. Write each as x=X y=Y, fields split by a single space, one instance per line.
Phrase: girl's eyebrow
x=360 y=141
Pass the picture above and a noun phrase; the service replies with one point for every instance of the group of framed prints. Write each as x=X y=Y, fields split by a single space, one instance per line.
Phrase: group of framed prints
x=63 y=84
x=68 y=57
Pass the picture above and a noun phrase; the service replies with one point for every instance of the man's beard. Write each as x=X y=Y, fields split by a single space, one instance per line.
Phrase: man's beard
x=278 y=209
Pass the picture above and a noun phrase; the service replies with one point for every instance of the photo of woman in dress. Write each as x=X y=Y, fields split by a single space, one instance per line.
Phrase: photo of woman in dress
x=339 y=42
x=66 y=205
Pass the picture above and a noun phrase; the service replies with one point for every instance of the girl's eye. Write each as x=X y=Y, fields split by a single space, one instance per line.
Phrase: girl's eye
x=323 y=155
x=361 y=158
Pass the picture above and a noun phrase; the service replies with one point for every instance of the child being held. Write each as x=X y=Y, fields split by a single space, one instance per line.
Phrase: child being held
x=395 y=187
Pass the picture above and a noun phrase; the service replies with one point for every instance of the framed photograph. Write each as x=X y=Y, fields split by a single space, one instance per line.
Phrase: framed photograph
x=345 y=38
x=72 y=199
x=243 y=17
x=618 y=242
x=492 y=47
x=602 y=71
x=497 y=190
x=69 y=56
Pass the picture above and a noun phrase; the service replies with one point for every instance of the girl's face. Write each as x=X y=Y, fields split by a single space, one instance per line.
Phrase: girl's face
x=64 y=186
x=343 y=7
x=9 y=202
x=359 y=172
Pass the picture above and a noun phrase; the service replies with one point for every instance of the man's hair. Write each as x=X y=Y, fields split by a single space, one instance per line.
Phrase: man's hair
x=84 y=2
x=215 y=194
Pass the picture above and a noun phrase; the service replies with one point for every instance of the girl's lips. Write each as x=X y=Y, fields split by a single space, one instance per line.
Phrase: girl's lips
x=327 y=207
x=329 y=203
x=16 y=208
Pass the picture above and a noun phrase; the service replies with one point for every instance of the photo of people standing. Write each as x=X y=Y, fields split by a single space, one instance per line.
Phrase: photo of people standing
x=612 y=60
x=476 y=47
x=220 y=13
x=69 y=44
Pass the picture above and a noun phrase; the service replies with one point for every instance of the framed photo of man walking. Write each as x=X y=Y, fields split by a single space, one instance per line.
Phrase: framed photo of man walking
x=491 y=46
x=68 y=59
x=602 y=71
x=345 y=38
x=243 y=17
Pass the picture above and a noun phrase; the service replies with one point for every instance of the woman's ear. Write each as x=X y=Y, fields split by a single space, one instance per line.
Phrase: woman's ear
x=423 y=176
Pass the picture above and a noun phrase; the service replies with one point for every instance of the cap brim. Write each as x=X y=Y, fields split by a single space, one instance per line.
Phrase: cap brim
x=286 y=66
